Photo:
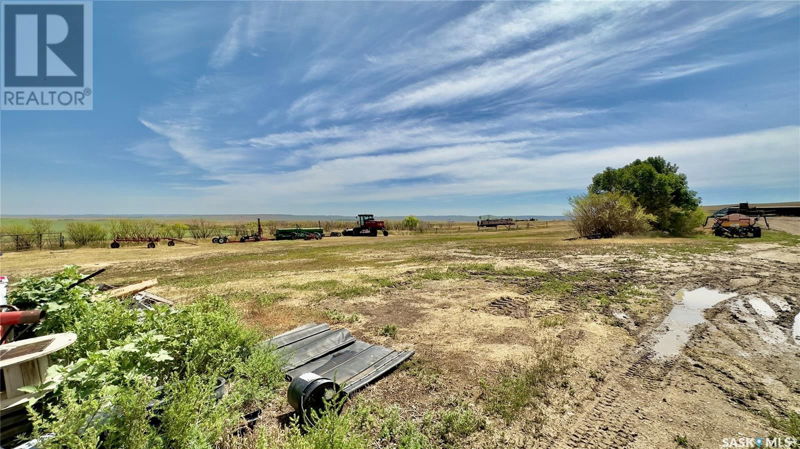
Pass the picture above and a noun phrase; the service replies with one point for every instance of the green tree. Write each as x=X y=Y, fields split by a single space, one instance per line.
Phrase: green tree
x=411 y=223
x=40 y=226
x=657 y=187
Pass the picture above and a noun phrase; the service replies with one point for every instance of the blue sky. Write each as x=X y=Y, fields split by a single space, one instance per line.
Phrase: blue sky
x=425 y=108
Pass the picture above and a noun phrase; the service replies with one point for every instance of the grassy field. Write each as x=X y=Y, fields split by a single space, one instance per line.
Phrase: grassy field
x=562 y=358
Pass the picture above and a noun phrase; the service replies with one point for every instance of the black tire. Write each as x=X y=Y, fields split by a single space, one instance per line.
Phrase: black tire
x=151 y=245
x=215 y=240
x=171 y=243
x=242 y=239
x=373 y=232
x=719 y=232
x=385 y=233
x=115 y=244
x=757 y=233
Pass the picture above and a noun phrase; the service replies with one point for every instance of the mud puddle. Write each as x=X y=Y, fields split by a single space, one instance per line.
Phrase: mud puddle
x=676 y=328
x=796 y=329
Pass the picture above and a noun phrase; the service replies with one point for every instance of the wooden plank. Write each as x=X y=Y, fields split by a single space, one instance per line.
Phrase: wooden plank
x=131 y=289
x=13 y=377
x=30 y=373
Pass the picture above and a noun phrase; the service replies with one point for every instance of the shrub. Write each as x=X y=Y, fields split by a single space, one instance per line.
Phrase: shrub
x=174 y=230
x=657 y=187
x=201 y=228
x=64 y=307
x=82 y=233
x=683 y=222
x=410 y=223
x=608 y=214
x=38 y=227
x=131 y=368
x=23 y=239
x=133 y=229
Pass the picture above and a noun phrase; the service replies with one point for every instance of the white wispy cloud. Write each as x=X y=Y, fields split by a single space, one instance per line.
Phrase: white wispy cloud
x=402 y=119
x=611 y=50
x=507 y=168
x=230 y=45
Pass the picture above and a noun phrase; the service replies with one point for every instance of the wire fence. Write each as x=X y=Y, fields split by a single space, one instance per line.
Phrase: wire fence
x=21 y=242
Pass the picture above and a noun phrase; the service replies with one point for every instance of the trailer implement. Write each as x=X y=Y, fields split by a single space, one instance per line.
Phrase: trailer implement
x=151 y=241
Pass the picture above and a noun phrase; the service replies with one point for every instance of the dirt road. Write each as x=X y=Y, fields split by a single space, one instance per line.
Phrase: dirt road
x=786 y=224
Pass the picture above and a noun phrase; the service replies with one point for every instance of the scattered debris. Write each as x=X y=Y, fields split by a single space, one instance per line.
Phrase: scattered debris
x=298 y=233
x=147 y=301
x=151 y=241
x=131 y=289
x=322 y=363
x=257 y=237
x=23 y=365
x=595 y=236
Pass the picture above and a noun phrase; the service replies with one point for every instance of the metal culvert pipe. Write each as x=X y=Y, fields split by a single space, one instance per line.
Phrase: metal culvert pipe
x=309 y=391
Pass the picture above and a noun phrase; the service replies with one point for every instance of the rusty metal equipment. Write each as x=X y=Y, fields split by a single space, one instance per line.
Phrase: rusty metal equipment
x=736 y=225
x=298 y=233
x=151 y=241
x=367 y=225
x=257 y=237
x=492 y=222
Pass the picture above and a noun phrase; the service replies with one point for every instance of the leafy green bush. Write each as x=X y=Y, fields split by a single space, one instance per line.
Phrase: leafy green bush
x=410 y=223
x=608 y=214
x=82 y=233
x=684 y=222
x=64 y=308
x=657 y=187
x=130 y=368
x=174 y=230
x=38 y=227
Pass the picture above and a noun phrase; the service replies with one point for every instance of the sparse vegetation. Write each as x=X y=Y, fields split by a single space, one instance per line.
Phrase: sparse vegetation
x=519 y=386
x=339 y=317
x=389 y=330
x=435 y=287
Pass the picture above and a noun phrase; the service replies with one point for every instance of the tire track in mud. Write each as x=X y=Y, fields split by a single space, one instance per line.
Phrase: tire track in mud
x=607 y=421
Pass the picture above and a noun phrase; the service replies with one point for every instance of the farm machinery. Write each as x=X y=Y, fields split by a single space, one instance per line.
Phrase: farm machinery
x=151 y=241
x=737 y=222
x=491 y=222
x=257 y=237
x=298 y=233
x=367 y=225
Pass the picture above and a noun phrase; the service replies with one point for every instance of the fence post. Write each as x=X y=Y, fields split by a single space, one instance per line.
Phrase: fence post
x=61 y=239
x=16 y=242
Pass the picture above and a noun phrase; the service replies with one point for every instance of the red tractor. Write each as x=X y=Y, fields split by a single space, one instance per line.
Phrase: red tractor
x=367 y=225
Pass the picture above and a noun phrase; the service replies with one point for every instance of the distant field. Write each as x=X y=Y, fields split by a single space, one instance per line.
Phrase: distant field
x=512 y=330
